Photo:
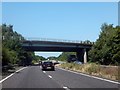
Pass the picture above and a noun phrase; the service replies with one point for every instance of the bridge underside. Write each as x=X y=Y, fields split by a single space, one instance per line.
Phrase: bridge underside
x=80 y=49
x=81 y=53
x=52 y=49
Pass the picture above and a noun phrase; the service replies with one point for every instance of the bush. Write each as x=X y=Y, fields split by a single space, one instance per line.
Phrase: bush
x=110 y=72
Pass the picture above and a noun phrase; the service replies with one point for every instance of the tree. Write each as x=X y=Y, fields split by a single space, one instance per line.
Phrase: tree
x=106 y=48
x=52 y=58
x=5 y=56
x=64 y=56
x=12 y=51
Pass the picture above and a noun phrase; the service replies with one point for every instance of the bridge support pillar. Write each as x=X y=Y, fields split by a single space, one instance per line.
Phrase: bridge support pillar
x=80 y=55
x=85 y=55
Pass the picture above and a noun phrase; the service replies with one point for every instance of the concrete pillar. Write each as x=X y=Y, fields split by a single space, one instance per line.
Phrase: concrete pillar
x=80 y=55
x=85 y=56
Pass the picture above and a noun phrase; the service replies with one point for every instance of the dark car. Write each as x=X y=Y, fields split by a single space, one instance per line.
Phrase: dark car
x=48 y=65
x=72 y=58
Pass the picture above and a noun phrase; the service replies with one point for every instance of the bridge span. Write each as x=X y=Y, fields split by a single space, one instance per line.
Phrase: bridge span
x=81 y=48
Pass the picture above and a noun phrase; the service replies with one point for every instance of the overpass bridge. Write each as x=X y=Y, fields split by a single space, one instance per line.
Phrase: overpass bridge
x=54 y=45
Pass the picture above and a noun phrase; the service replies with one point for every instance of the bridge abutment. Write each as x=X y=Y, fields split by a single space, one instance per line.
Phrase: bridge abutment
x=81 y=49
x=82 y=55
x=85 y=55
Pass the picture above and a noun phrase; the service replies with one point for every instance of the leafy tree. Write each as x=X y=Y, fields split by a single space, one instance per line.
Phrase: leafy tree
x=52 y=58
x=5 y=56
x=38 y=59
x=41 y=58
x=64 y=56
x=12 y=50
x=106 y=48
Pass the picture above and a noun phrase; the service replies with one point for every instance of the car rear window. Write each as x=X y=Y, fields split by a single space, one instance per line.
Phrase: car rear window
x=47 y=63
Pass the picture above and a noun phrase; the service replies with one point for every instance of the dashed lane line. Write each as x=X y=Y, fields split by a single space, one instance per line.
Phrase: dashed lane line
x=66 y=88
x=49 y=76
x=44 y=72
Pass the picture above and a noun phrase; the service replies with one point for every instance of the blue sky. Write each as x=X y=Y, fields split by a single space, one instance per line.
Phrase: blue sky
x=70 y=20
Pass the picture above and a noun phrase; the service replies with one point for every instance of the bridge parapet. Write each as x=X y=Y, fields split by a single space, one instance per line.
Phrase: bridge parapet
x=60 y=40
x=46 y=44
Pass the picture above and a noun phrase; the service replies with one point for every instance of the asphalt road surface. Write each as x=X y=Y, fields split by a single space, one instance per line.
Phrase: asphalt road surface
x=34 y=77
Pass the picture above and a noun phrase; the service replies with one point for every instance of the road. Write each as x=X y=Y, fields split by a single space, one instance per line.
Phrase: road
x=34 y=77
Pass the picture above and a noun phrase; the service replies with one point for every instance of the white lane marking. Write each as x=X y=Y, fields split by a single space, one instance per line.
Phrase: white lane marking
x=49 y=76
x=12 y=74
x=66 y=88
x=91 y=76
x=44 y=72
x=6 y=77
x=20 y=69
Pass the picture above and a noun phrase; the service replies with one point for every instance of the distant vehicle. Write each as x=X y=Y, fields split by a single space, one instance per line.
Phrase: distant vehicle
x=78 y=62
x=72 y=58
x=48 y=65
x=56 y=63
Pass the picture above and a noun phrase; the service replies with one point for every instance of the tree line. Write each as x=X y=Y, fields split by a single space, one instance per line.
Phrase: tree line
x=12 y=52
x=106 y=49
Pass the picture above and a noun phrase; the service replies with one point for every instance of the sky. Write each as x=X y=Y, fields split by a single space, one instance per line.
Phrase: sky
x=59 y=20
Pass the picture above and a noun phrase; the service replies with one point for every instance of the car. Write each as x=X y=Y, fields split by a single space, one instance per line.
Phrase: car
x=78 y=62
x=47 y=65
x=56 y=63
x=71 y=58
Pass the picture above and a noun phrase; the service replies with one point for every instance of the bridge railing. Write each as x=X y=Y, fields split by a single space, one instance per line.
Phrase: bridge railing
x=59 y=40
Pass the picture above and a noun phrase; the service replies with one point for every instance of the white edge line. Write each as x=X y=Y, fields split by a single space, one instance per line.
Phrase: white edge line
x=21 y=69
x=91 y=76
x=12 y=74
x=6 y=77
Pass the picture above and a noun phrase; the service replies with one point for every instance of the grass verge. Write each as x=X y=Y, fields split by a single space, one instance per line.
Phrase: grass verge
x=109 y=72
x=10 y=71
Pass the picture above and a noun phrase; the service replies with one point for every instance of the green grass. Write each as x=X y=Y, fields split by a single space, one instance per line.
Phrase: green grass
x=93 y=69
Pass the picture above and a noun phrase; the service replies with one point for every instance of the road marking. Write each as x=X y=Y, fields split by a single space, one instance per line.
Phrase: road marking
x=66 y=88
x=44 y=72
x=49 y=76
x=20 y=69
x=12 y=74
x=91 y=76
x=6 y=77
